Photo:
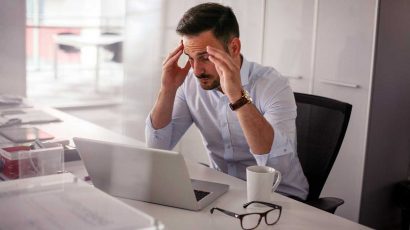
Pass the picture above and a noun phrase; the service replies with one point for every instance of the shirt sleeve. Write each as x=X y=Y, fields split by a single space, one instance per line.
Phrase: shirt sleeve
x=168 y=137
x=279 y=109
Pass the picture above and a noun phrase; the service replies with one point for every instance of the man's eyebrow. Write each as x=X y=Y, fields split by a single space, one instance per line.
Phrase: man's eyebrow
x=201 y=53
x=198 y=54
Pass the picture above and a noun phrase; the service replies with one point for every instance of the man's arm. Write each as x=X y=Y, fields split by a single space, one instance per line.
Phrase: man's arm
x=172 y=77
x=258 y=132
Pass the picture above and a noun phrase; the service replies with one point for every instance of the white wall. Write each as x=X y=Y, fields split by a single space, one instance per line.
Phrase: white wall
x=12 y=47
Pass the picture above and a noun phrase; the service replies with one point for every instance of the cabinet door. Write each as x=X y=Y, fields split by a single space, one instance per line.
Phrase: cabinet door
x=343 y=70
x=288 y=40
x=250 y=16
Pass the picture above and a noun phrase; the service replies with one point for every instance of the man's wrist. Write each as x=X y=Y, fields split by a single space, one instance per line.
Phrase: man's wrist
x=168 y=90
x=243 y=100
x=236 y=96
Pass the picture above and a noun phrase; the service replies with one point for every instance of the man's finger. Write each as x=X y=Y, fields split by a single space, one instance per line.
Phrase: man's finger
x=173 y=59
x=222 y=56
x=172 y=53
x=220 y=65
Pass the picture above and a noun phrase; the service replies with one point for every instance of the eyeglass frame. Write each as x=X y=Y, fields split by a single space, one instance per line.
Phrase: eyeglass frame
x=261 y=214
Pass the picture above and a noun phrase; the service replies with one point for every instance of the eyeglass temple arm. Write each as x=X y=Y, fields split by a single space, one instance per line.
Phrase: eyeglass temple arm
x=226 y=212
x=264 y=203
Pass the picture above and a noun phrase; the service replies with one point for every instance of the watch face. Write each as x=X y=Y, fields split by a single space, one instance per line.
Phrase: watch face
x=245 y=99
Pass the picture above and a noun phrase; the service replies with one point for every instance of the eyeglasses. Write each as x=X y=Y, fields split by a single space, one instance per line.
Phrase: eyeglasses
x=252 y=220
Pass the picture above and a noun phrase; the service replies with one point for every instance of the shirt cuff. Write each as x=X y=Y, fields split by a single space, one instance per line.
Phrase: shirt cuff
x=261 y=159
x=157 y=138
x=281 y=146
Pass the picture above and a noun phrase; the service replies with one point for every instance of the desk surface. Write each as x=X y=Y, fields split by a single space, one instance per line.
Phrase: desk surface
x=295 y=215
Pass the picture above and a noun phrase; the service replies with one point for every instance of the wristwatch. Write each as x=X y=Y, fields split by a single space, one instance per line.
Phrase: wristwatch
x=245 y=99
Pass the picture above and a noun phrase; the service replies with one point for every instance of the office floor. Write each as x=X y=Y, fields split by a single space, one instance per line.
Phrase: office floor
x=75 y=86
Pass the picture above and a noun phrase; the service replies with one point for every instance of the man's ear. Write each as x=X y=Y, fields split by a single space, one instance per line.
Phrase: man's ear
x=235 y=47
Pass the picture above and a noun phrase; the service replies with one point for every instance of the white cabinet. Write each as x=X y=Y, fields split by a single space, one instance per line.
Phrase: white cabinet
x=343 y=62
x=330 y=44
x=288 y=40
x=250 y=15
x=343 y=70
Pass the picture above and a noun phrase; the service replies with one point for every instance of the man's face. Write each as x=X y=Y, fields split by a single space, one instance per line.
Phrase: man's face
x=204 y=69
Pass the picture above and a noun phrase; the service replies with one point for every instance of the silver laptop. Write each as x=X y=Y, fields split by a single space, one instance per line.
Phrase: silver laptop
x=145 y=174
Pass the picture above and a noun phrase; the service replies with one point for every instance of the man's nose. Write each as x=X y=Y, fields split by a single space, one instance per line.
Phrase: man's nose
x=198 y=68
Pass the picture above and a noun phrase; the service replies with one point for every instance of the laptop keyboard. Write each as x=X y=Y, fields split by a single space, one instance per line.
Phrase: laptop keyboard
x=200 y=194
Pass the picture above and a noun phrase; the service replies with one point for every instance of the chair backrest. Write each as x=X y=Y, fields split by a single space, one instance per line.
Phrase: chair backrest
x=68 y=48
x=115 y=48
x=321 y=125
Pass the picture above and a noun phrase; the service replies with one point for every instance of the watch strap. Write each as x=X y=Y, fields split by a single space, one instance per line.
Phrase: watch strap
x=243 y=100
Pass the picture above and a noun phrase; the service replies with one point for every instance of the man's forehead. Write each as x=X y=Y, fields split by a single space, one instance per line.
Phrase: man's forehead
x=194 y=45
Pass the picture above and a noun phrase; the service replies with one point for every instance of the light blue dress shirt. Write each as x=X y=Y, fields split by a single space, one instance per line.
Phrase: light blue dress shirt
x=222 y=134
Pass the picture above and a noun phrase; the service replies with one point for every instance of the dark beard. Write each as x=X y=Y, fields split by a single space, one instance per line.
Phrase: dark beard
x=214 y=84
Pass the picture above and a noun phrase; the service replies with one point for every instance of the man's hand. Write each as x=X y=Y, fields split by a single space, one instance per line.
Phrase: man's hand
x=228 y=71
x=172 y=75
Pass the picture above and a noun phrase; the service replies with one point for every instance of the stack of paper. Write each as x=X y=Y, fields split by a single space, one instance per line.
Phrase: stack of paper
x=28 y=116
x=64 y=202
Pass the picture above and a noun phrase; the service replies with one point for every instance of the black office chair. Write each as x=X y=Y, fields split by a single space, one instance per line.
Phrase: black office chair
x=115 y=49
x=321 y=125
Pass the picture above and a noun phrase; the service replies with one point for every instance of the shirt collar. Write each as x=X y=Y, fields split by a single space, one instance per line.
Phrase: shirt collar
x=245 y=71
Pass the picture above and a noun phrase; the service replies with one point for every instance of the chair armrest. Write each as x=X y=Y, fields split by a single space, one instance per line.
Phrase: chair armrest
x=328 y=204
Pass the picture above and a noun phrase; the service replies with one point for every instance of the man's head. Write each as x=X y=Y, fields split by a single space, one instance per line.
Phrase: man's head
x=208 y=24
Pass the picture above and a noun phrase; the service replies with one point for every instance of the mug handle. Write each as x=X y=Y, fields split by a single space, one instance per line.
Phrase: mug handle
x=278 y=179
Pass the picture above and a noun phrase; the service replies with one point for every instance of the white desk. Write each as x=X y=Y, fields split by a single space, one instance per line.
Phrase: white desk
x=82 y=41
x=295 y=215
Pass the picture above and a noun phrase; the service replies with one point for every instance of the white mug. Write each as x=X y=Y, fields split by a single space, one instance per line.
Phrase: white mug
x=261 y=182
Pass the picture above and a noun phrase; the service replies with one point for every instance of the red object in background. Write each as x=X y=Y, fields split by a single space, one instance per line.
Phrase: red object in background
x=46 y=44
x=9 y=158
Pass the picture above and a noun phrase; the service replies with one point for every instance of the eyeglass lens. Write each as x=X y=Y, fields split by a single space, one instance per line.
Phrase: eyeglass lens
x=251 y=221
x=272 y=216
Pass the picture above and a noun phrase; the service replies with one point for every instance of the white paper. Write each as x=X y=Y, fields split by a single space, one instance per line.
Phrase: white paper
x=64 y=202
x=30 y=116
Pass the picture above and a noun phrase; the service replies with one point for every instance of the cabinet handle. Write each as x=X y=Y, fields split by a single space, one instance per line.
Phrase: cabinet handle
x=293 y=77
x=339 y=83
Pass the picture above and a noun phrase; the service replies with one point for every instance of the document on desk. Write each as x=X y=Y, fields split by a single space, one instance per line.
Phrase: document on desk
x=29 y=116
x=64 y=202
x=12 y=101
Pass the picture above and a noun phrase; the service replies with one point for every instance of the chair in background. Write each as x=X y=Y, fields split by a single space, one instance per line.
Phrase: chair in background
x=321 y=125
x=66 y=49
x=115 y=49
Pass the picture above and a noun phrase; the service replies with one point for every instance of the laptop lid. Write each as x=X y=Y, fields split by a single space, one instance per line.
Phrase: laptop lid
x=145 y=174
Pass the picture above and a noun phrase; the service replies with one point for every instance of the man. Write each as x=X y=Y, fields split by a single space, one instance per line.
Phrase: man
x=214 y=90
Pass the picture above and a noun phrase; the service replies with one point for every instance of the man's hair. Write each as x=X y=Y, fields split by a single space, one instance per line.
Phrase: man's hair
x=210 y=16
